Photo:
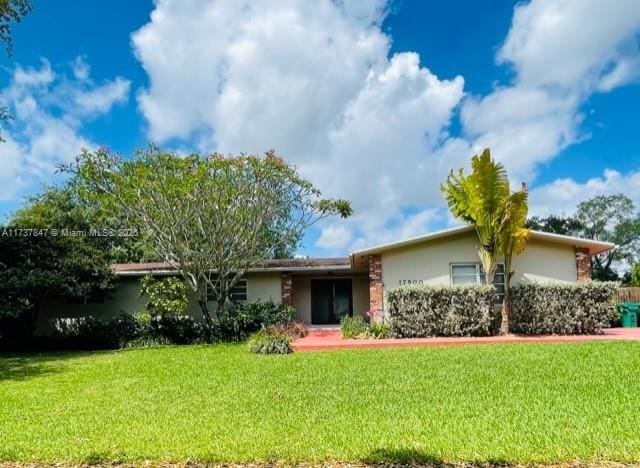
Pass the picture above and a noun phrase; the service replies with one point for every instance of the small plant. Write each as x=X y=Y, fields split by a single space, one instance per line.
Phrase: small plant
x=378 y=330
x=353 y=327
x=270 y=341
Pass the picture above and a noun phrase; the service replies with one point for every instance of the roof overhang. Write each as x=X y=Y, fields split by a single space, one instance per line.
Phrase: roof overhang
x=358 y=258
x=286 y=265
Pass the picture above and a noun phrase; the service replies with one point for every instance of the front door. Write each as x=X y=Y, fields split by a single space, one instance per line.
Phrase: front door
x=330 y=300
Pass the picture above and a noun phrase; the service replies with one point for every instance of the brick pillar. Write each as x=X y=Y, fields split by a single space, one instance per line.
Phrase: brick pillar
x=583 y=264
x=286 y=286
x=375 y=284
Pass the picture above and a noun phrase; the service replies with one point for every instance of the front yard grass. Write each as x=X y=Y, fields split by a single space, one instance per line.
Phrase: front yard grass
x=503 y=403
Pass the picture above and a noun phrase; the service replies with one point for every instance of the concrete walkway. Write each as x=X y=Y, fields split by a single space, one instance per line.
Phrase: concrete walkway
x=326 y=339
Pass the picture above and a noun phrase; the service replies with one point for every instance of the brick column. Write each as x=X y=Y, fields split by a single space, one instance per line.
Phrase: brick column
x=375 y=284
x=583 y=264
x=286 y=286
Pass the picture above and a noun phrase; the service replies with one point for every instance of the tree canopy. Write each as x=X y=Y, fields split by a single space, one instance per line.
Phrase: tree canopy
x=210 y=217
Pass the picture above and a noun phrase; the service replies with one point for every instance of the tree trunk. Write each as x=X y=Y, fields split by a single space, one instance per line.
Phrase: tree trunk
x=221 y=303
x=506 y=302
x=205 y=310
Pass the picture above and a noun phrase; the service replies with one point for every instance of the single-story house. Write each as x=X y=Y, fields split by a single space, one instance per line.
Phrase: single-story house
x=322 y=290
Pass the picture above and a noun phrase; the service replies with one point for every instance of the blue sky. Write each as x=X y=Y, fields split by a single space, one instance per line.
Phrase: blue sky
x=374 y=101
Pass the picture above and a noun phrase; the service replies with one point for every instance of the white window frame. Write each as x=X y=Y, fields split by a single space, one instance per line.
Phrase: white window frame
x=241 y=283
x=478 y=267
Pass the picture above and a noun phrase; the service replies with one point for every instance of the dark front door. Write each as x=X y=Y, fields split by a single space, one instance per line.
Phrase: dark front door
x=330 y=301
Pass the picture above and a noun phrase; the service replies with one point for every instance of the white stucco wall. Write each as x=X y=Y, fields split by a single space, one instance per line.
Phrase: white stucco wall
x=430 y=262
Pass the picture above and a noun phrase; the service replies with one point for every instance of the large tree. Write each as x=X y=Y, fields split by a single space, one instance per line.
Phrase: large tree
x=211 y=217
x=35 y=266
x=565 y=225
x=611 y=218
x=484 y=199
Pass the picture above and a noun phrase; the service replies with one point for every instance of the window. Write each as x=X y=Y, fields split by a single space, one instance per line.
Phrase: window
x=238 y=293
x=472 y=273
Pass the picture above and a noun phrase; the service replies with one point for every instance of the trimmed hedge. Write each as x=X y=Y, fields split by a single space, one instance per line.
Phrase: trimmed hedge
x=423 y=311
x=562 y=309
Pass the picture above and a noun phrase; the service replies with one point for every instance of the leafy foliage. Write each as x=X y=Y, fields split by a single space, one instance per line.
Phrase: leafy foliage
x=270 y=341
x=238 y=322
x=611 y=218
x=11 y=10
x=89 y=333
x=179 y=329
x=61 y=207
x=210 y=217
x=635 y=275
x=423 y=311
x=564 y=225
x=479 y=199
x=167 y=296
x=33 y=269
x=353 y=327
x=563 y=309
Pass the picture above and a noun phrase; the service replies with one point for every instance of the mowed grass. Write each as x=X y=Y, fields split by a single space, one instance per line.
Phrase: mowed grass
x=503 y=403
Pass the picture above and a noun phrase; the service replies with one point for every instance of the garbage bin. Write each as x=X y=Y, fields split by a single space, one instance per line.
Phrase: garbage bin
x=629 y=314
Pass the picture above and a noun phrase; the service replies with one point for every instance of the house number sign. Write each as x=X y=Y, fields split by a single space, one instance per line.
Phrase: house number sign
x=407 y=282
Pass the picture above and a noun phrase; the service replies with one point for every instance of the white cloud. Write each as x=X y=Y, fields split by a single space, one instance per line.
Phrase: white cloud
x=562 y=51
x=569 y=43
x=314 y=80
x=334 y=236
x=563 y=195
x=49 y=110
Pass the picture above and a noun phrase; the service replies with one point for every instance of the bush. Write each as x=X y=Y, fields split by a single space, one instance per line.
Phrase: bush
x=168 y=296
x=179 y=329
x=562 y=309
x=239 y=321
x=91 y=333
x=353 y=327
x=270 y=341
x=423 y=311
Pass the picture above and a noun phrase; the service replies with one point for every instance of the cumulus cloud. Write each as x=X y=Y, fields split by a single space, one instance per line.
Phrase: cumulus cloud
x=315 y=81
x=563 y=195
x=562 y=51
x=49 y=110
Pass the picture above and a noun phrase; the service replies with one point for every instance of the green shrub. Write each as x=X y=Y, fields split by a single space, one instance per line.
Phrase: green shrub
x=239 y=321
x=92 y=333
x=353 y=327
x=379 y=330
x=167 y=296
x=268 y=341
x=423 y=311
x=562 y=309
x=179 y=329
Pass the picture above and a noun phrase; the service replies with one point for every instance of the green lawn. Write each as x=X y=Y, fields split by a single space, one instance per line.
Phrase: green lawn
x=511 y=403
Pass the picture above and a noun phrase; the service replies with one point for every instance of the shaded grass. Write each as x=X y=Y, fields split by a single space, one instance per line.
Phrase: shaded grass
x=543 y=403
